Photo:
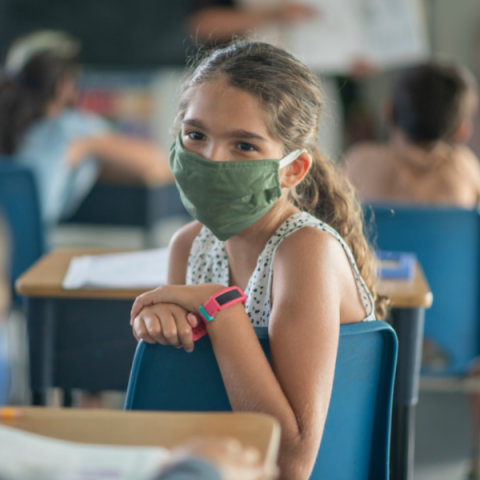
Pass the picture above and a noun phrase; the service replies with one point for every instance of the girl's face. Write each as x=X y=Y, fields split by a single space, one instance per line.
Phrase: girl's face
x=223 y=123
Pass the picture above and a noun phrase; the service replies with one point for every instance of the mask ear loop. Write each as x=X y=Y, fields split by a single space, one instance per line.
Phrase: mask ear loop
x=291 y=157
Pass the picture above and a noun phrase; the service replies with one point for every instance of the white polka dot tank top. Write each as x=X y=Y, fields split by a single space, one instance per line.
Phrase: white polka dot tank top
x=208 y=263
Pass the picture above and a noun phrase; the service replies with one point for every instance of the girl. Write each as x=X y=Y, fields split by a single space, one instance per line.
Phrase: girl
x=61 y=144
x=273 y=229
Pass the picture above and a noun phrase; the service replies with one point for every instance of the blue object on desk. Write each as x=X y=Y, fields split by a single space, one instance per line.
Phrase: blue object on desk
x=20 y=206
x=356 y=439
x=446 y=242
x=403 y=269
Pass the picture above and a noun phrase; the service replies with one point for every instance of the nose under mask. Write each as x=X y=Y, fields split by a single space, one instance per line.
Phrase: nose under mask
x=227 y=197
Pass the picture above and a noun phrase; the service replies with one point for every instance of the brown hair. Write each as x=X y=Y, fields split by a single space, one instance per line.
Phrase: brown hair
x=431 y=100
x=23 y=97
x=291 y=95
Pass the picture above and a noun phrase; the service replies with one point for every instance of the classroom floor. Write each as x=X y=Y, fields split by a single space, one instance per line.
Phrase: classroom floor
x=443 y=426
x=442 y=436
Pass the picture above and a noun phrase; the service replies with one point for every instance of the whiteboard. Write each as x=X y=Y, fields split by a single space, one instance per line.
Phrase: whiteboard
x=387 y=33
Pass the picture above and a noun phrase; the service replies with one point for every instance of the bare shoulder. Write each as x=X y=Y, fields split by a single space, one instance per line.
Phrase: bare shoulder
x=180 y=246
x=470 y=164
x=183 y=239
x=466 y=155
x=314 y=264
x=311 y=250
x=364 y=152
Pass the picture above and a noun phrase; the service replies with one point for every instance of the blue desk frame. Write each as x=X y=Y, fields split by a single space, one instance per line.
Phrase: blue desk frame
x=408 y=324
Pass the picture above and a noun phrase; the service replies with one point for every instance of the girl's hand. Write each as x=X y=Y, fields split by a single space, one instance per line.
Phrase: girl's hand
x=189 y=297
x=164 y=323
x=235 y=461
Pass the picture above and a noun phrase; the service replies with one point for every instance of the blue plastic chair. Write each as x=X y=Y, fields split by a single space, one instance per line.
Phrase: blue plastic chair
x=20 y=206
x=447 y=244
x=356 y=439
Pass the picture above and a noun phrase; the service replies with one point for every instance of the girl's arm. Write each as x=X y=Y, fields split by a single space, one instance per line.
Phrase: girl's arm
x=303 y=331
x=310 y=271
x=222 y=23
x=132 y=154
x=179 y=251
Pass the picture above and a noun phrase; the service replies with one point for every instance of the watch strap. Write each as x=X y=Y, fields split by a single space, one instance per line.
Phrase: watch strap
x=199 y=331
x=211 y=307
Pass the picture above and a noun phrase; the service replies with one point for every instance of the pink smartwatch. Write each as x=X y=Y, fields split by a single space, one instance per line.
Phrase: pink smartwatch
x=220 y=301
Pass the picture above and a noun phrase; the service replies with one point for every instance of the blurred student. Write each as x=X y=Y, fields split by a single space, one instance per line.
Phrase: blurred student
x=40 y=125
x=474 y=142
x=426 y=160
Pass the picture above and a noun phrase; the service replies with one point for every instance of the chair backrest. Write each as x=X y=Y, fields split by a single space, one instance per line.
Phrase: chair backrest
x=20 y=206
x=447 y=244
x=356 y=438
x=4 y=368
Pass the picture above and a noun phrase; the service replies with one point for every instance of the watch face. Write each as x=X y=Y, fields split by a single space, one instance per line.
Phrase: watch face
x=228 y=297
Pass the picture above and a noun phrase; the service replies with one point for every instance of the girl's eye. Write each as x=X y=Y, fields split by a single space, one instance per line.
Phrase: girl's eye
x=196 y=136
x=246 y=147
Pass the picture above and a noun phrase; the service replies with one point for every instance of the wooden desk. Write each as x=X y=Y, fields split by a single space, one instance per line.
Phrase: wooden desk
x=44 y=279
x=413 y=293
x=164 y=429
x=82 y=339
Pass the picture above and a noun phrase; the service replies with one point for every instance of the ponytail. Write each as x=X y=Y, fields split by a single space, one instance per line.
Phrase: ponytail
x=17 y=111
x=24 y=97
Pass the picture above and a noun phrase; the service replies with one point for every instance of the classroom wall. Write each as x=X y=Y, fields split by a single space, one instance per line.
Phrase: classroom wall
x=455 y=25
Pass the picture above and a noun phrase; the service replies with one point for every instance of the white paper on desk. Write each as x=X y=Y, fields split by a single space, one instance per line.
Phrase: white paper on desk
x=143 y=269
x=385 y=32
x=27 y=456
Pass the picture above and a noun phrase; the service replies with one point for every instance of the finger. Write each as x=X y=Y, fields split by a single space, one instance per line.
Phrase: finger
x=141 y=332
x=153 y=326
x=146 y=299
x=251 y=455
x=184 y=330
x=169 y=328
x=234 y=446
x=269 y=472
x=193 y=320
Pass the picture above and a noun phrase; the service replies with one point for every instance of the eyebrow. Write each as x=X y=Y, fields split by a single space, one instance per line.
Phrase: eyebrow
x=243 y=134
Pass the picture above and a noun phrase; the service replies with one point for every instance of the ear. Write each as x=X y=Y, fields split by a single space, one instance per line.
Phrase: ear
x=463 y=132
x=293 y=174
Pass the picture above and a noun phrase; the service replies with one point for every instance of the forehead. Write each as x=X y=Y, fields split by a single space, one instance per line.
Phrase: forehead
x=222 y=107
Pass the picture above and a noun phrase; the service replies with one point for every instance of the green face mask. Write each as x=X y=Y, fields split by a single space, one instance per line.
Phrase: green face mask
x=227 y=197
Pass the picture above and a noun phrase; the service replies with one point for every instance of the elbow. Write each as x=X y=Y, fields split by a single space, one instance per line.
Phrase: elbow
x=297 y=456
